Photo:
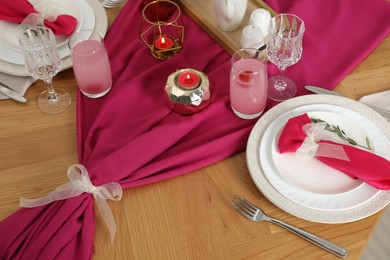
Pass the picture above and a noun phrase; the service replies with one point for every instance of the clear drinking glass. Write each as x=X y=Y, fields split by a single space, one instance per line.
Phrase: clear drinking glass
x=248 y=83
x=284 y=49
x=43 y=62
x=91 y=64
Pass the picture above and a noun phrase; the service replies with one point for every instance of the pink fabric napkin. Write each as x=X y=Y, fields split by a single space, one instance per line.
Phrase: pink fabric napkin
x=363 y=165
x=131 y=136
x=16 y=10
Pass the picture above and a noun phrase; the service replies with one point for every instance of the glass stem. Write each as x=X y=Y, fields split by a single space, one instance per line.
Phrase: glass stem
x=280 y=83
x=53 y=96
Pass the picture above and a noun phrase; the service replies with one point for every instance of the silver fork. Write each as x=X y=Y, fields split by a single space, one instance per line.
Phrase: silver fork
x=253 y=213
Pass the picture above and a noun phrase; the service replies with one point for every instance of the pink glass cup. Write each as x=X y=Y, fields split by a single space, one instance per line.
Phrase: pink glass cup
x=248 y=83
x=91 y=64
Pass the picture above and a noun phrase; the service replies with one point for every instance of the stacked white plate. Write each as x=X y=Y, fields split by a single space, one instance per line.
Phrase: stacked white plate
x=90 y=15
x=310 y=189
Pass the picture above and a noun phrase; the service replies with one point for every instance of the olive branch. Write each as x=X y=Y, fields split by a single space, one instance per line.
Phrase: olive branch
x=336 y=129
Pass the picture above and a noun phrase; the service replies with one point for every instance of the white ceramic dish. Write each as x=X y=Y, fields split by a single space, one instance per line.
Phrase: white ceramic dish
x=98 y=21
x=303 y=188
x=9 y=40
x=9 y=47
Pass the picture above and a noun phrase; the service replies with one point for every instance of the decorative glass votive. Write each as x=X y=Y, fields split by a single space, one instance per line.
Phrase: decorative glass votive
x=187 y=91
x=162 y=28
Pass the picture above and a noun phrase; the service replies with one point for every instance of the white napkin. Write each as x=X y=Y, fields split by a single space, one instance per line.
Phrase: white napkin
x=17 y=83
x=380 y=99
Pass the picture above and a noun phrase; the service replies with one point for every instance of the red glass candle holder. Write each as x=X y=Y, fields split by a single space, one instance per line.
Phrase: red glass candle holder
x=162 y=28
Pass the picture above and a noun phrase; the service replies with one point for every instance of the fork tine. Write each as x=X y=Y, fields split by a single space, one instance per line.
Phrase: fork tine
x=236 y=204
x=249 y=210
x=247 y=203
x=250 y=207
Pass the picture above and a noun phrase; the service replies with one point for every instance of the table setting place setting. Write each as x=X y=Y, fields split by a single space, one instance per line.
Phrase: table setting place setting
x=157 y=97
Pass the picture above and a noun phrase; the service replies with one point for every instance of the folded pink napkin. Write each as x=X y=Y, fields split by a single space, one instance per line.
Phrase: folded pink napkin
x=16 y=10
x=360 y=164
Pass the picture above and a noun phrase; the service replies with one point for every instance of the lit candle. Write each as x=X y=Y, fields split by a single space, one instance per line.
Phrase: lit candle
x=164 y=43
x=188 y=79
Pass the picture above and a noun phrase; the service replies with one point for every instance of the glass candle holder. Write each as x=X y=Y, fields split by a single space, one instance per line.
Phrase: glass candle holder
x=162 y=28
x=187 y=91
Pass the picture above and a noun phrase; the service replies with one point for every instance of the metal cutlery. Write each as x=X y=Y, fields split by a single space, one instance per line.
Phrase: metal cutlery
x=382 y=112
x=4 y=89
x=253 y=213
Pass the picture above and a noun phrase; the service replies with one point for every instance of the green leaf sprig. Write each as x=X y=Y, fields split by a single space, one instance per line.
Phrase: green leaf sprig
x=336 y=129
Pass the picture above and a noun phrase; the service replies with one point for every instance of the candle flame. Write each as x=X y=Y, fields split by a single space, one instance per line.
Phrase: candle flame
x=188 y=77
x=162 y=40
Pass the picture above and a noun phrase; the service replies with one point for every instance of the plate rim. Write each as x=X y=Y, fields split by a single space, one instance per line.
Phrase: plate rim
x=377 y=203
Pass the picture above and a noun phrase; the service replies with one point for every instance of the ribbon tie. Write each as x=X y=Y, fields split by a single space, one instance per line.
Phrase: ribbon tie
x=310 y=147
x=80 y=183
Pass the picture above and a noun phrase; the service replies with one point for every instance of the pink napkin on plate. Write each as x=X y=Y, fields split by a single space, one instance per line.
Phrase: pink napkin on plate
x=16 y=11
x=361 y=164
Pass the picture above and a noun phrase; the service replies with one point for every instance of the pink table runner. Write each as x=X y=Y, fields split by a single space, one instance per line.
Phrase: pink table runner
x=132 y=137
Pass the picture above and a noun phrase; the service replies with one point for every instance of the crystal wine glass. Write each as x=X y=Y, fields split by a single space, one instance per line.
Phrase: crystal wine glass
x=284 y=49
x=42 y=61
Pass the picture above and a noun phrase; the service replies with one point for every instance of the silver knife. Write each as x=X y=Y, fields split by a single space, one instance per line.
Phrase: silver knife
x=318 y=90
x=323 y=91
x=4 y=89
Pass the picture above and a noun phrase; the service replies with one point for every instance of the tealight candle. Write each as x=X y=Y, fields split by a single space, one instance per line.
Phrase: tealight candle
x=188 y=79
x=164 y=42
x=187 y=91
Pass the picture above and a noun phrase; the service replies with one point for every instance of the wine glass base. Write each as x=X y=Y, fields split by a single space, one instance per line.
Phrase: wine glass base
x=281 y=94
x=46 y=105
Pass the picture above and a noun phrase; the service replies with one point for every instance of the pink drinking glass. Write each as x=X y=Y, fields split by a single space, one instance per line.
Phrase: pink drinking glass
x=248 y=83
x=91 y=64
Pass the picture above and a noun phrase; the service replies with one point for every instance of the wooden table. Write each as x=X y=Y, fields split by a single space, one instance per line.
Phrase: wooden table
x=187 y=217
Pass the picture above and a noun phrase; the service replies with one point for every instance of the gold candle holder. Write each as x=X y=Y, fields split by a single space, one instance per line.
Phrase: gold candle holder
x=162 y=28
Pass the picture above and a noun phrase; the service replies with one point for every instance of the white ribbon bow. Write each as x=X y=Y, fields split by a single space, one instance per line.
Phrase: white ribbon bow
x=47 y=9
x=80 y=183
x=310 y=148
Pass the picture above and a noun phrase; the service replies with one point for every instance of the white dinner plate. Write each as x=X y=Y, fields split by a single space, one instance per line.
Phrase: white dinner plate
x=310 y=189
x=9 y=47
x=98 y=21
x=9 y=39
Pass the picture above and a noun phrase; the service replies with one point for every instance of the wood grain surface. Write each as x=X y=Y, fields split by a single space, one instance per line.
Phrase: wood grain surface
x=187 y=217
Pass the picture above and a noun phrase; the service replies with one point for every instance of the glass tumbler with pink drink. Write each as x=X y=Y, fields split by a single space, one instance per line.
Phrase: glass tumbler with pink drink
x=91 y=64
x=248 y=83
